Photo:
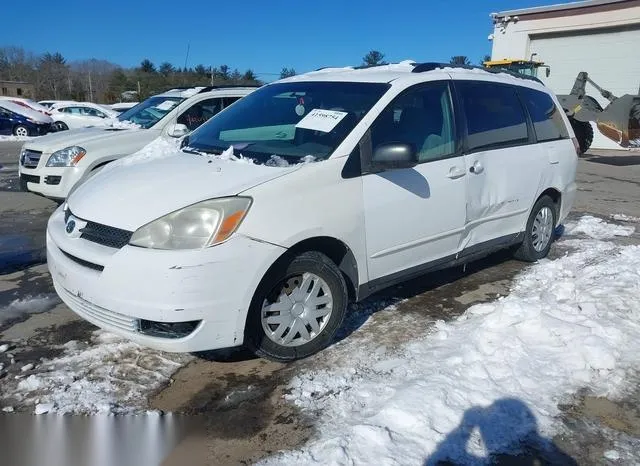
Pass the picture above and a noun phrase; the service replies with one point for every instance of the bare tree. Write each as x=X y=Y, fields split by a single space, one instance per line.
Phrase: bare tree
x=287 y=73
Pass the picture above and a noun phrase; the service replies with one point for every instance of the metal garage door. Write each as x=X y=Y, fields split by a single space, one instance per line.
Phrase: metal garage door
x=610 y=56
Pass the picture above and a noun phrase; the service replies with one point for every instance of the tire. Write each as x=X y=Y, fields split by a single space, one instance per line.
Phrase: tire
x=21 y=130
x=60 y=126
x=531 y=248
x=273 y=317
x=584 y=134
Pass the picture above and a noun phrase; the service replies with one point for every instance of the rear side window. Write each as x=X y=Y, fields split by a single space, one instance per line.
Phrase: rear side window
x=495 y=117
x=545 y=115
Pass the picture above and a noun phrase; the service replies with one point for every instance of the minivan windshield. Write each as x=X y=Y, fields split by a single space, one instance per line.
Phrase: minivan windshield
x=289 y=120
x=148 y=113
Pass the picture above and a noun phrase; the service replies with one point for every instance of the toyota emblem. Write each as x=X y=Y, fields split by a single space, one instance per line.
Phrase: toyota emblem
x=71 y=224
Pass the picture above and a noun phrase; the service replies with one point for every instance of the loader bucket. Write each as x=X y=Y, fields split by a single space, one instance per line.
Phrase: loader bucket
x=620 y=121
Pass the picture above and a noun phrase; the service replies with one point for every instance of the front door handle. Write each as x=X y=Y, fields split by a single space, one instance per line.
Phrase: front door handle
x=456 y=172
x=476 y=168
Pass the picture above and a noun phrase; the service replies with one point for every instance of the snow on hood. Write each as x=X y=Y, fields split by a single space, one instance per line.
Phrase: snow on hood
x=486 y=381
x=25 y=111
x=160 y=179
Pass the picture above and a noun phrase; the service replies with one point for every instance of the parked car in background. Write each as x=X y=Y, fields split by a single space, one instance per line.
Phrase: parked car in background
x=361 y=178
x=123 y=106
x=19 y=120
x=49 y=103
x=28 y=103
x=52 y=165
x=73 y=115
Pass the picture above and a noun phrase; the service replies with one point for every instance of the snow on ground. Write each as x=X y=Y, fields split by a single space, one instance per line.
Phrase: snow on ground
x=625 y=218
x=490 y=379
x=597 y=228
x=107 y=375
x=28 y=305
x=16 y=138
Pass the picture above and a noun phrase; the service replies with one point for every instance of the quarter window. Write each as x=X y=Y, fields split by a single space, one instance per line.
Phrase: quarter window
x=545 y=115
x=495 y=117
x=421 y=117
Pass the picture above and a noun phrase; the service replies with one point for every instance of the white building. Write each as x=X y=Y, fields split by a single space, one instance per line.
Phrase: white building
x=601 y=37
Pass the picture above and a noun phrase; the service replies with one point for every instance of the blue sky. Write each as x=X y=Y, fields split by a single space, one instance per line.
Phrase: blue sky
x=264 y=36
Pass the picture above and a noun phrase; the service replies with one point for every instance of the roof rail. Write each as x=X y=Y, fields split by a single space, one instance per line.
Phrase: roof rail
x=430 y=66
x=227 y=86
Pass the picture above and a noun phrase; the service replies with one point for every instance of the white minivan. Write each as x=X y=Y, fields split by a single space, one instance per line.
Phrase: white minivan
x=310 y=193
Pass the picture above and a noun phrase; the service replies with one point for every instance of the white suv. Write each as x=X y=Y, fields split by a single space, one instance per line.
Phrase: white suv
x=309 y=193
x=53 y=164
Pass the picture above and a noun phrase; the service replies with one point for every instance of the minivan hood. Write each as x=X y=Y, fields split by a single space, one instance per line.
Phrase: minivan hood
x=82 y=137
x=130 y=196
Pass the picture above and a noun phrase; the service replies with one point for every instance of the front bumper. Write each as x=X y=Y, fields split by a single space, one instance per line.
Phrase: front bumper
x=116 y=288
x=53 y=182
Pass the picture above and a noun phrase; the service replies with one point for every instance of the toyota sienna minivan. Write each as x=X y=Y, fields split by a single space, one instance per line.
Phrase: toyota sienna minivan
x=308 y=194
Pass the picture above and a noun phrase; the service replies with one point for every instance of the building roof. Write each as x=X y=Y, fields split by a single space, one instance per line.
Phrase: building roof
x=560 y=7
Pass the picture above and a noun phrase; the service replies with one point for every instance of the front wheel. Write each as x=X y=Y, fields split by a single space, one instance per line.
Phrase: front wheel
x=297 y=309
x=61 y=126
x=539 y=232
x=584 y=134
x=21 y=131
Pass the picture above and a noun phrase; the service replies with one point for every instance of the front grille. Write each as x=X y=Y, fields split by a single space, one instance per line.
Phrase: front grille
x=106 y=235
x=103 y=234
x=51 y=179
x=30 y=158
x=97 y=313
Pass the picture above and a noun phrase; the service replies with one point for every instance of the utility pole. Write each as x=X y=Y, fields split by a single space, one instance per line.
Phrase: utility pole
x=187 y=57
x=139 y=98
x=90 y=89
x=211 y=69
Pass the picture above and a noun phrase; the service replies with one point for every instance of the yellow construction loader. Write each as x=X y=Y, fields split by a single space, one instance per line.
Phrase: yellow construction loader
x=618 y=121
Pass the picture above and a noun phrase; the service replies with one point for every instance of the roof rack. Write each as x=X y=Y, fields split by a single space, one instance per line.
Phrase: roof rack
x=227 y=86
x=430 y=66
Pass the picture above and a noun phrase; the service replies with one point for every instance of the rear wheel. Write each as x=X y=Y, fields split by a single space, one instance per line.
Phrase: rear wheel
x=539 y=232
x=61 y=126
x=297 y=309
x=21 y=130
x=584 y=134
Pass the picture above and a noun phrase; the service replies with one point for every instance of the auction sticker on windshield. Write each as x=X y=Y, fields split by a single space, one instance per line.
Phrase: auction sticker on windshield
x=321 y=120
x=166 y=105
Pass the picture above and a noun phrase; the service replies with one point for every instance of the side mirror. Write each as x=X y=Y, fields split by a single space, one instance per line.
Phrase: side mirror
x=177 y=130
x=394 y=155
x=547 y=72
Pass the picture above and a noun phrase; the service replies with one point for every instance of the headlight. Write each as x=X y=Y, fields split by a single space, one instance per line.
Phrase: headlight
x=198 y=226
x=67 y=157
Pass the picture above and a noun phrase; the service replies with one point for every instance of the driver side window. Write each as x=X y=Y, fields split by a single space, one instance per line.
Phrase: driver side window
x=421 y=117
x=199 y=113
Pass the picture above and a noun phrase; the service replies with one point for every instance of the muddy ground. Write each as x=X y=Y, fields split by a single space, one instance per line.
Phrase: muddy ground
x=238 y=399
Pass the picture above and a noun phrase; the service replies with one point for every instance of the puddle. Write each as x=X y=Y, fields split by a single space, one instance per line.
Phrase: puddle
x=18 y=252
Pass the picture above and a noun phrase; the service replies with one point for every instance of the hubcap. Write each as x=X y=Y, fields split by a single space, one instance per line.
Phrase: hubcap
x=300 y=312
x=21 y=132
x=542 y=229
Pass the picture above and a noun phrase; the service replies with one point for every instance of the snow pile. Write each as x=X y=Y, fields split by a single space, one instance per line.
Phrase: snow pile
x=110 y=375
x=491 y=378
x=158 y=148
x=122 y=124
x=28 y=305
x=597 y=228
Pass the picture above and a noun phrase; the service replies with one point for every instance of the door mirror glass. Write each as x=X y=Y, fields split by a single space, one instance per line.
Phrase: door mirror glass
x=177 y=130
x=394 y=155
